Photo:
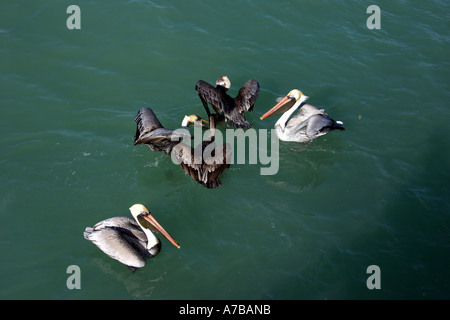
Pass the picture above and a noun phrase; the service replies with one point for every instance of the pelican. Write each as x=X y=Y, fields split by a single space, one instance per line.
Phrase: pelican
x=206 y=162
x=194 y=119
x=205 y=170
x=232 y=109
x=309 y=123
x=129 y=241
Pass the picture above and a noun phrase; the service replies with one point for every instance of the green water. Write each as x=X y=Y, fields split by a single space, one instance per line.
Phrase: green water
x=375 y=194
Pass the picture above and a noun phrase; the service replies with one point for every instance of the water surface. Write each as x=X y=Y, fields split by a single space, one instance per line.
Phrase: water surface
x=375 y=194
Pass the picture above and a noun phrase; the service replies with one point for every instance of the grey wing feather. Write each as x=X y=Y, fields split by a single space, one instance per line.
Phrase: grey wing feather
x=216 y=165
x=150 y=131
x=299 y=120
x=154 y=136
x=320 y=124
x=146 y=121
x=209 y=94
x=185 y=154
x=114 y=222
x=204 y=171
x=317 y=124
x=247 y=96
x=115 y=245
x=123 y=223
x=238 y=120
x=121 y=239
x=189 y=160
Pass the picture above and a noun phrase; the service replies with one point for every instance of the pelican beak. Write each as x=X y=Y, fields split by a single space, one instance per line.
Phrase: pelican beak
x=205 y=121
x=194 y=119
x=150 y=219
x=278 y=107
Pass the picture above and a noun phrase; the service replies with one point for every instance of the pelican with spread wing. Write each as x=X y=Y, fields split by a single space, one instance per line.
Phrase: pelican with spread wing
x=232 y=109
x=204 y=163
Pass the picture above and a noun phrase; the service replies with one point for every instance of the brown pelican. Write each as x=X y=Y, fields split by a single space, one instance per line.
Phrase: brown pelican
x=309 y=123
x=194 y=119
x=130 y=241
x=232 y=109
x=205 y=169
x=206 y=162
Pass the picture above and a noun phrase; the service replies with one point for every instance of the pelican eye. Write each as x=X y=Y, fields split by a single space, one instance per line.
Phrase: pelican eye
x=144 y=222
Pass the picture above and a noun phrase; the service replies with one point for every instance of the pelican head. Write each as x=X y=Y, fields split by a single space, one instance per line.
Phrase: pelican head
x=193 y=119
x=294 y=95
x=297 y=95
x=148 y=223
x=224 y=82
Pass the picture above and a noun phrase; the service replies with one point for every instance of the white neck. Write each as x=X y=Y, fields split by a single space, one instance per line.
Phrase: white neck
x=152 y=240
x=185 y=122
x=284 y=118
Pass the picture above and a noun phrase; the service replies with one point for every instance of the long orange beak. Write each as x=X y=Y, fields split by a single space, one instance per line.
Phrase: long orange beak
x=276 y=108
x=150 y=219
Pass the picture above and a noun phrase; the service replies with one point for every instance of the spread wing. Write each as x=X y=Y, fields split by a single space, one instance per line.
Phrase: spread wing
x=205 y=163
x=215 y=163
x=154 y=136
x=146 y=122
x=237 y=119
x=247 y=96
x=210 y=94
x=150 y=131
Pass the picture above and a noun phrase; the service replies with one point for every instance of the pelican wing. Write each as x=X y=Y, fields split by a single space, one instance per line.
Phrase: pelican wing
x=317 y=124
x=210 y=94
x=321 y=124
x=300 y=120
x=204 y=167
x=146 y=121
x=154 y=136
x=189 y=160
x=247 y=96
x=150 y=131
x=121 y=239
x=237 y=119
x=216 y=163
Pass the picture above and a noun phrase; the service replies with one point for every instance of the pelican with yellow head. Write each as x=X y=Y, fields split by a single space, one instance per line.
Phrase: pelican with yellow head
x=309 y=123
x=129 y=241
